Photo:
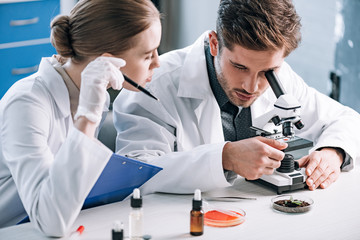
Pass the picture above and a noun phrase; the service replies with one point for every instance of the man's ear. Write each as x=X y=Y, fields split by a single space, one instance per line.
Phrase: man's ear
x=214 y=44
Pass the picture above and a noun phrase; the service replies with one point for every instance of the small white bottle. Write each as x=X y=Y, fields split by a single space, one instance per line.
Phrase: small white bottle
x=136 y=216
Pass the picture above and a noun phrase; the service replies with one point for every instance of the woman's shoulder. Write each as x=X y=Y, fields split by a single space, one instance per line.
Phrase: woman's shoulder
x=25 y=90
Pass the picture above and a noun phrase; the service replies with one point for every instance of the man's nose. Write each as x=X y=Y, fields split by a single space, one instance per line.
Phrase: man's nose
x=251 y=83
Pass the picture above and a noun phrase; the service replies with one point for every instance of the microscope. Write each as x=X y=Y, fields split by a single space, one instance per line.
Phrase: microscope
x=279 y=124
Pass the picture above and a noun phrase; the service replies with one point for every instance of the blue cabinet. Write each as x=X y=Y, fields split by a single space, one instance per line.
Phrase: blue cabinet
x=24 y=38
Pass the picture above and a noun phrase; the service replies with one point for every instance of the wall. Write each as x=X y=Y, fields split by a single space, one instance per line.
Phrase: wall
x=347 y=54
x=314 y=58
x=330 y=42
x=66 y=6
x=185 y=20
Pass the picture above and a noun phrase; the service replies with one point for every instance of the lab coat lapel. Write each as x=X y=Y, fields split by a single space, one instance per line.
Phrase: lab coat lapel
x=194 y=78
x=209 y=121
x=56 y=86
x=195 y=84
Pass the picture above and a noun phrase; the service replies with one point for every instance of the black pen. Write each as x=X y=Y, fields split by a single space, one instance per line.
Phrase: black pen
x=140 y=87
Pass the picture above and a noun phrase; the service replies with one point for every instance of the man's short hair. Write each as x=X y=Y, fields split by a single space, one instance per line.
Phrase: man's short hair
x=258 y=25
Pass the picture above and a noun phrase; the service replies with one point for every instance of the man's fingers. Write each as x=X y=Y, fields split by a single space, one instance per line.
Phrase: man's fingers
x=275 y=155
x=272 y=148
x=319 y=169
x=331 y=178
x=275 y=164
x=273 y=143
x=325 y=174
x=268 y=171
x=303 y=161
x=313 y=163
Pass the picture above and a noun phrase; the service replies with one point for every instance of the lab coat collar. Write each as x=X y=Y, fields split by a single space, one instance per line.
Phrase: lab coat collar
x=194 y=77
x=55 y=84
x=195 y=84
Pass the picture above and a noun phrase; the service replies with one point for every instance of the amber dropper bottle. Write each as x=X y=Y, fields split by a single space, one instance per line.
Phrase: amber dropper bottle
x=197 y=215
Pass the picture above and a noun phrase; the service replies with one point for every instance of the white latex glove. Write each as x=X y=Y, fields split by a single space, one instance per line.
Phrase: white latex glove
x=94 y=81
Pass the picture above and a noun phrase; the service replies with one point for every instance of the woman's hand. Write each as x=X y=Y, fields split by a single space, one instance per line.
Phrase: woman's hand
x=95 y=79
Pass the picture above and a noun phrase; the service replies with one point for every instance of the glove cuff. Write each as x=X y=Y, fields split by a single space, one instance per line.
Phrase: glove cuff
x=89 y=115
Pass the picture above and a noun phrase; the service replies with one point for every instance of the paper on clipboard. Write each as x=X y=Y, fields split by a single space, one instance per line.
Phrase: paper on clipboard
x=118 y=179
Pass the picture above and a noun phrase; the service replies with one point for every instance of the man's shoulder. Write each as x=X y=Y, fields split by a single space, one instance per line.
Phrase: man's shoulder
x=171 y=61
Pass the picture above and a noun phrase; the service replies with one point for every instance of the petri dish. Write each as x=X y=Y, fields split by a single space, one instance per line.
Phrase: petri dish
x=224 y=217
x=292 y=203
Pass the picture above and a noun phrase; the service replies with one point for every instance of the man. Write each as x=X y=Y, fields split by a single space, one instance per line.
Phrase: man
x=212 y=90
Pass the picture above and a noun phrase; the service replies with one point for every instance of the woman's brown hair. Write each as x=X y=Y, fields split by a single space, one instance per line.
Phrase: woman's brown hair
x=95 y=27
x=258 y=25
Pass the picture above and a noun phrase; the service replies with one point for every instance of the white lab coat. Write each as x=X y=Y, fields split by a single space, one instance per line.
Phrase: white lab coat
x=47 y=166
x=189 y=116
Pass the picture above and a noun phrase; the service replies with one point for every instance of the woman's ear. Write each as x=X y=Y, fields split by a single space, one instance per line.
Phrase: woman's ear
x=107 y=55
x=214 y=44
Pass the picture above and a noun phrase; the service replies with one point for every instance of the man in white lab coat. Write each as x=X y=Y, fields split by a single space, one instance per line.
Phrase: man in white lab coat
x=193 y=133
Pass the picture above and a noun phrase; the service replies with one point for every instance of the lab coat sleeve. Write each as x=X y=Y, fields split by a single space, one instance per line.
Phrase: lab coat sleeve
x=52 y=186
x=147 y=131
x=327 y=122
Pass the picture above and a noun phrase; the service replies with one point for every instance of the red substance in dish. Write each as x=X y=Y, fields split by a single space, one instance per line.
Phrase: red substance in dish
x=216 y=218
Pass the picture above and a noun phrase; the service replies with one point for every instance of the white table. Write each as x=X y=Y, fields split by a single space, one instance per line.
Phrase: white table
x=335 y=215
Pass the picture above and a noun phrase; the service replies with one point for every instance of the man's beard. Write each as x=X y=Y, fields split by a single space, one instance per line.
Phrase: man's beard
x=230 y=93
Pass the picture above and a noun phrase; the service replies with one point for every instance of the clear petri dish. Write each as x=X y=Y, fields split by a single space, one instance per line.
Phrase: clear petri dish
x=224 y=217
x=292 y=203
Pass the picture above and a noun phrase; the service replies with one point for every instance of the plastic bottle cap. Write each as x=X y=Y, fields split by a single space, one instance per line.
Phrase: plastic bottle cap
x=117 y=231
x=118 y=226
x=197 y=202
x=197 y=195
x=136 y=200
x=136 y=193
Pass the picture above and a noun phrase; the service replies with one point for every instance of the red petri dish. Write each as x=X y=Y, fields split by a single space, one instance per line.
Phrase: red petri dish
x=218 y=218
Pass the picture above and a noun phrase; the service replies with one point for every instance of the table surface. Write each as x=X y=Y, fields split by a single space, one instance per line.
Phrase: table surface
x=335 y=215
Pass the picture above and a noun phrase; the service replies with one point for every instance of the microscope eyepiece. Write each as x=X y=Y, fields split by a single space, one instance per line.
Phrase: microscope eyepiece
x=275 y=83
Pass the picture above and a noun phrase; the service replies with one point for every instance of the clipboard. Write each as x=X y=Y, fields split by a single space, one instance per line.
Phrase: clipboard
x=118 y=180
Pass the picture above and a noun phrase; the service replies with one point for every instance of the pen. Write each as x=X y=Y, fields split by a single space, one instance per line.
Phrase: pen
x=77 y=233
x=140 y=87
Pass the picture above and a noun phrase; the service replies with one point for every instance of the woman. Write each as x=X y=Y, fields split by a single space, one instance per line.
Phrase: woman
x=49 y=158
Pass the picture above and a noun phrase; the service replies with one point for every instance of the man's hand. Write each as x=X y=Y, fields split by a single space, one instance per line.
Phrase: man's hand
x=322 y=167
x=253 y=157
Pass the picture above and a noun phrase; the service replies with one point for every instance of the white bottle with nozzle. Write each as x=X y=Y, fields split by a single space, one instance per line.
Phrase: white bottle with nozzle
x=136 y=216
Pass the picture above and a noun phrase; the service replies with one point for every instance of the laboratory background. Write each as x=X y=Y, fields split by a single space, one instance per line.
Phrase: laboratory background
x=328 y=58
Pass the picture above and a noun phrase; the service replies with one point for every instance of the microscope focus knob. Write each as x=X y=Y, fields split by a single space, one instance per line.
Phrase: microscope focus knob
x=276 y=120
x=287 y=164
x=299 y=125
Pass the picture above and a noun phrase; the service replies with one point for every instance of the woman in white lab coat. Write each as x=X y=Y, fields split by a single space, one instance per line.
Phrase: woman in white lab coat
x=49 y=156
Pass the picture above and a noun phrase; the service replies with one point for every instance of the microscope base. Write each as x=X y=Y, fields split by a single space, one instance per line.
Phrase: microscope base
x=280 y=189
x=284 y=182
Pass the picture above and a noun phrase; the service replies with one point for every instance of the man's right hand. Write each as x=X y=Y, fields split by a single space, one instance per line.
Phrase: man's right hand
x=253 y=157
